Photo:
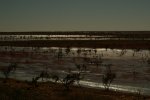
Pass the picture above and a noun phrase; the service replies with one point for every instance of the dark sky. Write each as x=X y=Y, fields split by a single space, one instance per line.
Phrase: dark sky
x=74 y=15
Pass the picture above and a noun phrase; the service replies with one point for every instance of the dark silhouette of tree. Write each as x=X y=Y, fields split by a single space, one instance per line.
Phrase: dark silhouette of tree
x=54 y=77
x=34 y=81
x=79 y=52
x=108 y=78
x=98 y=62
x=78 y=66
x=84 y=67
x=67 y=50
x=81 y=67
x=11 y=68
x=70 y=79
x=44 y=74
x=95 y=51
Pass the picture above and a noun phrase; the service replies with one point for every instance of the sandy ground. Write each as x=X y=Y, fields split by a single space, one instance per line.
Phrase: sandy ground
x=21 y=90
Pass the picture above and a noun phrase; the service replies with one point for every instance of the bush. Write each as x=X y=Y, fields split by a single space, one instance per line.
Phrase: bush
x=108 y=78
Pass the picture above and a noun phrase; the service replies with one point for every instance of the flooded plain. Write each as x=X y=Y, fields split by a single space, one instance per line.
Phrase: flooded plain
x=132 y=67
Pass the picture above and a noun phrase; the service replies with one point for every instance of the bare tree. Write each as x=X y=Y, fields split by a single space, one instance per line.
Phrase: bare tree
x=44 y=74
x=34 y=81
x=67 y=50
x=54 y=77
x=70 y=79
x=11 y=68
x=81 y=67
x=79 y=51
x=108 y=77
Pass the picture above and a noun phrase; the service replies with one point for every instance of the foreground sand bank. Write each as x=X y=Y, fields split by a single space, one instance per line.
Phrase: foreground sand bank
x=20 y=90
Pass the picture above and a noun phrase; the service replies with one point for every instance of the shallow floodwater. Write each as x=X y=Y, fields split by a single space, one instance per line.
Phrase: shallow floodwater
x=131 y=66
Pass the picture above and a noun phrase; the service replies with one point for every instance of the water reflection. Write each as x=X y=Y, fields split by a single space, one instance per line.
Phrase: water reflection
x=66 y=37
x=131 y=67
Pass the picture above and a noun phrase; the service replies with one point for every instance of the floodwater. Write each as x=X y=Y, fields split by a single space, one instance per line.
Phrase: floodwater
x=131 y=66
x=64 y=37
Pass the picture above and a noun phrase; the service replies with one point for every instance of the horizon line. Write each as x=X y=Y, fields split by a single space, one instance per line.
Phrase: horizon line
x=83 y=31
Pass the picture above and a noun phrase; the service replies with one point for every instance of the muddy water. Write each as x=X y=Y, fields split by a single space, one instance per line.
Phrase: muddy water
x=130 y=66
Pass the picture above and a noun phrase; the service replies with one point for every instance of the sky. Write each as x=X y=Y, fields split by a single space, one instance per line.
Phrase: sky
x=74 y=15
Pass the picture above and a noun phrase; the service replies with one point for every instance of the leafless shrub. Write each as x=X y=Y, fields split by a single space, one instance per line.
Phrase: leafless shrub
x=7 y=70
x=108 y=78
x=70 y=79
